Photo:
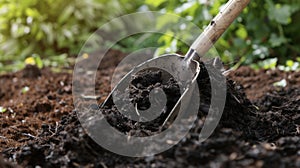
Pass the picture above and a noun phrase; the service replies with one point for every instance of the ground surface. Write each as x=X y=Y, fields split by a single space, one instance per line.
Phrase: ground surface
x=40 y=125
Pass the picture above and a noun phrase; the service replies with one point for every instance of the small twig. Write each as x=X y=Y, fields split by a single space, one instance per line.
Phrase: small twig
x=227 y=72
x=297 y=129
x=56 y=129
x=103 y=165
x=3 y=137
x=136 y=110
x=29 y=135
x=236 y=98
x=22 y=133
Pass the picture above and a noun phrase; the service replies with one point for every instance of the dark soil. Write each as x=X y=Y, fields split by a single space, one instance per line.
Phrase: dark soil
x=140 y=87
x=260 y=126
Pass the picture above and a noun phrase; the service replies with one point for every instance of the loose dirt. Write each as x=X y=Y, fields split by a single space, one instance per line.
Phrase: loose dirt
x=260 y=125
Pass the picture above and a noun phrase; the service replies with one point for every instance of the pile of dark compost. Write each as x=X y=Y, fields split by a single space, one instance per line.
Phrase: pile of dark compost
x=260 y=125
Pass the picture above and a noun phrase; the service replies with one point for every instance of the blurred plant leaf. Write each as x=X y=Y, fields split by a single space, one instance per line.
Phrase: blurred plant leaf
x=2 y=109
x=276 y=41
x=25 y=89
x=266 y=64
x=155 y=3
x=281 y=83
x=242 y=32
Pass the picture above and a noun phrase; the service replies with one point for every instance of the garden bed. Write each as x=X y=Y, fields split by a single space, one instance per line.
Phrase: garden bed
x=40 y=125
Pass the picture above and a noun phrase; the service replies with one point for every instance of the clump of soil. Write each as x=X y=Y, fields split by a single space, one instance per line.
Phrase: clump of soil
x=261 y=133
x=143 y=83
x=31 y=71
x=5 y=164
x=140 y=87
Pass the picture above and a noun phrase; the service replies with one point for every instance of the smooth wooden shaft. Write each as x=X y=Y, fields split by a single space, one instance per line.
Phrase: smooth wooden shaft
x=218 y=25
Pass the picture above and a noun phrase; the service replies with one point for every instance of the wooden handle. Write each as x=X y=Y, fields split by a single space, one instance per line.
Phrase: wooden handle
x=218 y=25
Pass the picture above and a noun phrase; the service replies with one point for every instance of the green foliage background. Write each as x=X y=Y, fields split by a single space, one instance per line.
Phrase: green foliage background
x=51 y=29
x=265 y=34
